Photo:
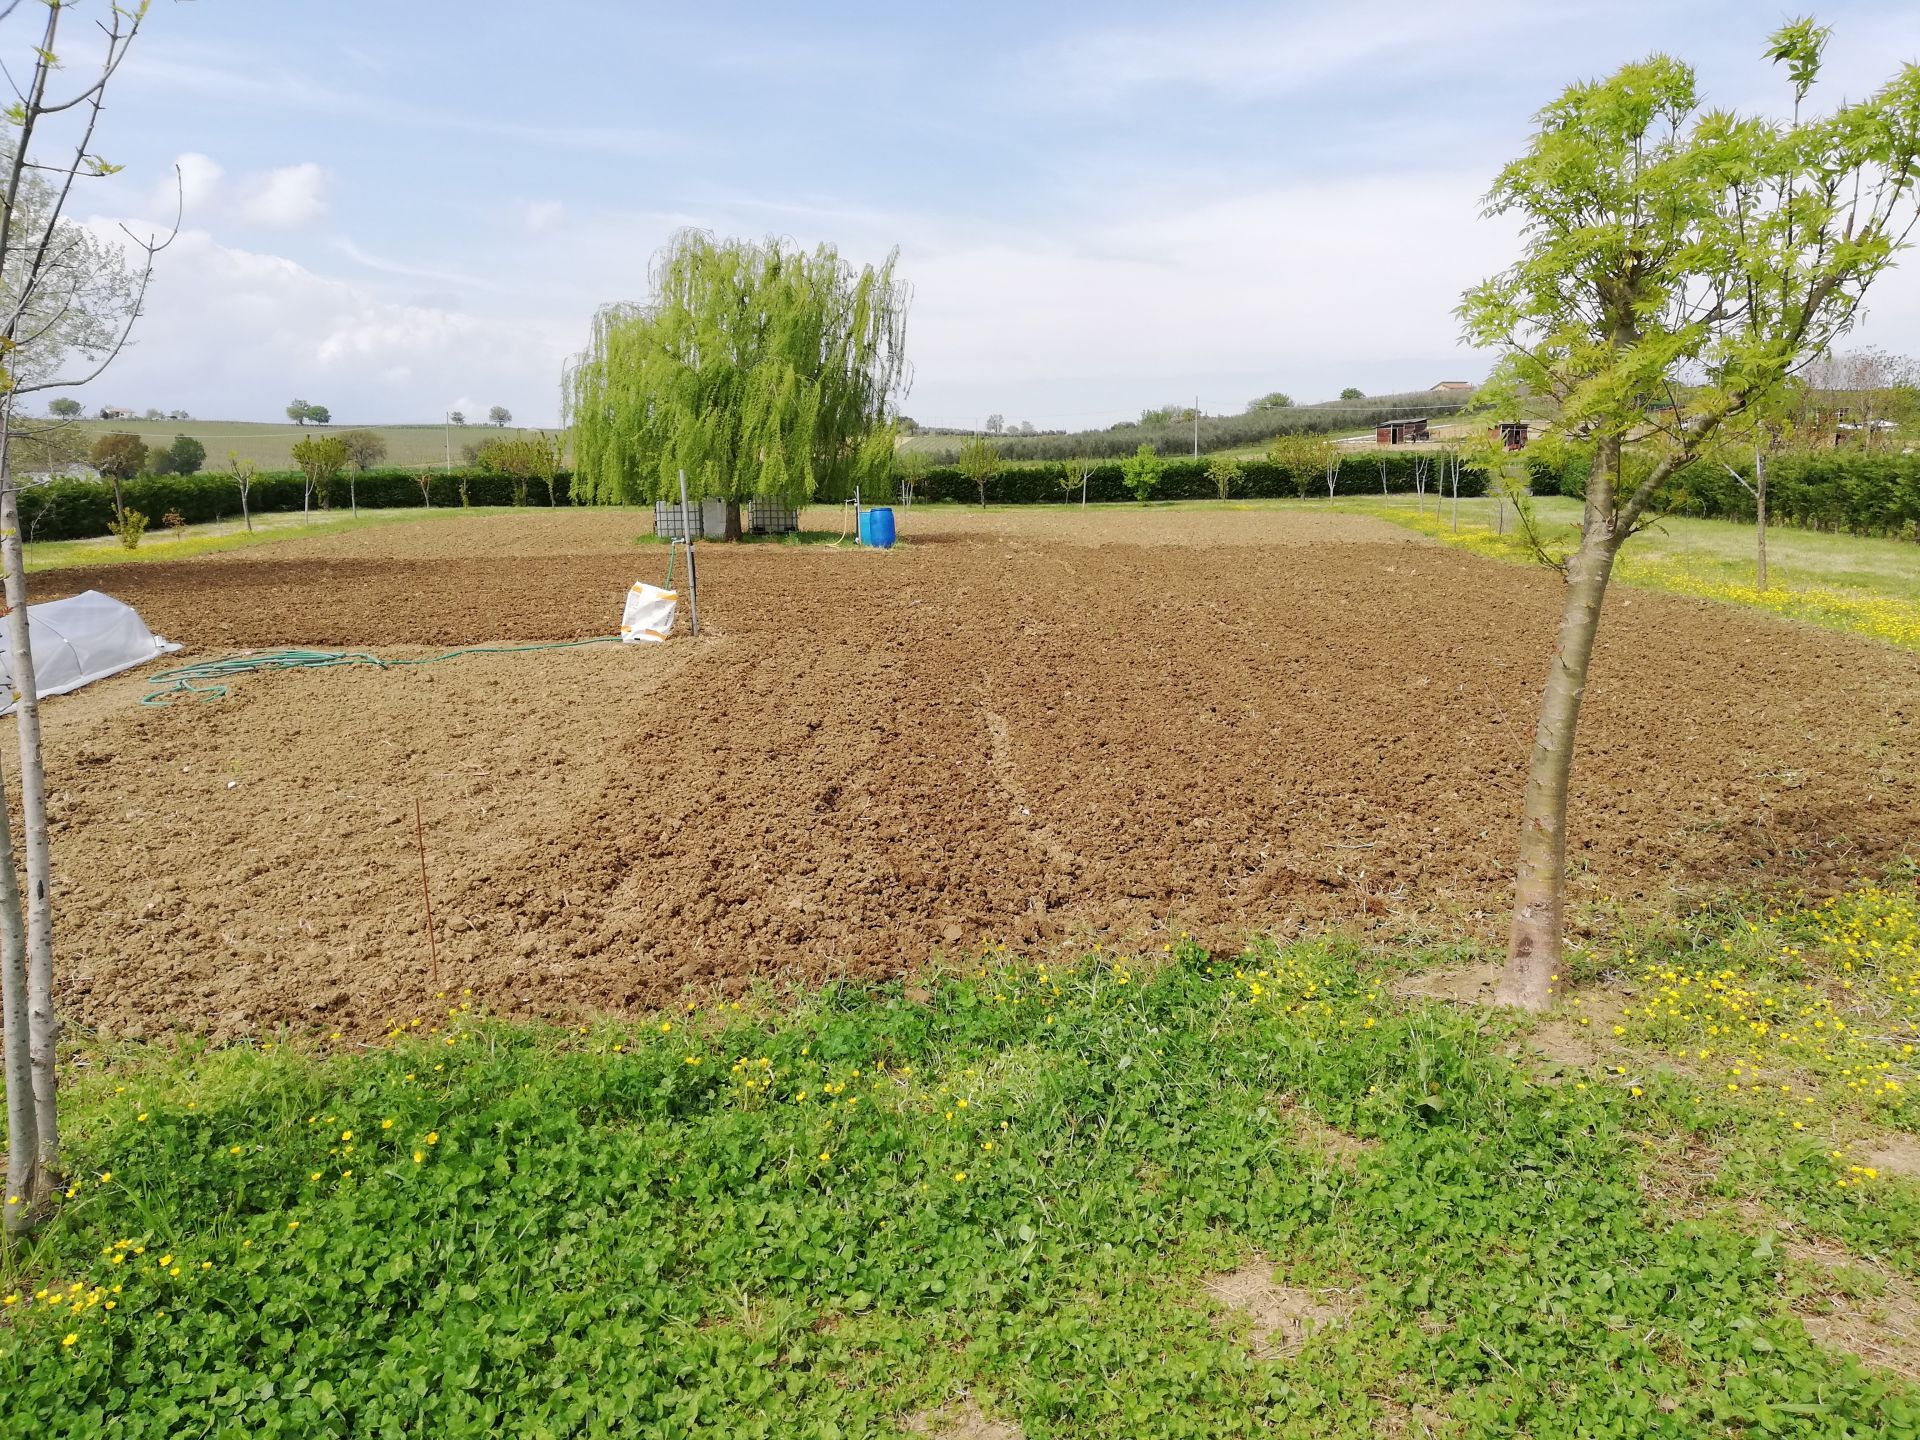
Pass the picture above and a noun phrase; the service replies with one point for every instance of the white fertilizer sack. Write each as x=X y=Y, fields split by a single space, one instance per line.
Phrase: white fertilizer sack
x=649 y=616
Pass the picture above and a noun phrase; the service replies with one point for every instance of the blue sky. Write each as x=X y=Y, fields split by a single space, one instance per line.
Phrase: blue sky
x=394 y=209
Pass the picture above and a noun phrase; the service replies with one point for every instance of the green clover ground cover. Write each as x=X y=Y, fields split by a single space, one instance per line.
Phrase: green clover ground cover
x=814 y=1220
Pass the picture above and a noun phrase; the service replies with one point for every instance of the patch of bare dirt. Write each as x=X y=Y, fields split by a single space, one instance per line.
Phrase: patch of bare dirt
x=1327 y=1141
x=1280 y=1318
x=1859 y=1307
x=1895 y=1155
x=1038 y=727
x=964 y=1421
x=1474 y=985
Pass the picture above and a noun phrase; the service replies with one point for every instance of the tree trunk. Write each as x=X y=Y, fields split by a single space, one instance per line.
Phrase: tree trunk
x=42 y=1029
x=1533 y=952
x=1760 y=527
x=245 y=513
x=306 y=504
x=730 y=528
x=25 y=1183
x=353 y=496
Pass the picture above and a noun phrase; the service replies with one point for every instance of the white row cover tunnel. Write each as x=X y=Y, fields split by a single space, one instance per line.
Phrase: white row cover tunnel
x=78 y=640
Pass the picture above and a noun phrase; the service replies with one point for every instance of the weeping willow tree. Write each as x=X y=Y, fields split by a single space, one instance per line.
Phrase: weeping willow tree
x=761 y=370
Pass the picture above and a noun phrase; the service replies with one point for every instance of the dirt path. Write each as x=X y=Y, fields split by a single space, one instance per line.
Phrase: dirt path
x=1012 y=727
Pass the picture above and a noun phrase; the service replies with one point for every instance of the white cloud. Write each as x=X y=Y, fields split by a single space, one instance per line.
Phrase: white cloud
x=541 y=214
x=231 y=333
x=1258 y=52
x=291 y=195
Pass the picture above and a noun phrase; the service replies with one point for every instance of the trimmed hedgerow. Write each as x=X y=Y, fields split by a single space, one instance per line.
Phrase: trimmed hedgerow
x=80 y=509
x=1843 y=491
x=1187 y=479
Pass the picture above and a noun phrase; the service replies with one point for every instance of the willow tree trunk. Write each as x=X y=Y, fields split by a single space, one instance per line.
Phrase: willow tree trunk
x=1760 y=527
x=42 y=1028
x=731 y=528
x=1533 y=950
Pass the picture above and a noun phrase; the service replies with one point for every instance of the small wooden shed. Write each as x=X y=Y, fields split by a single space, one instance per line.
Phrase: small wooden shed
x=1400 y=432
x=1510 y=433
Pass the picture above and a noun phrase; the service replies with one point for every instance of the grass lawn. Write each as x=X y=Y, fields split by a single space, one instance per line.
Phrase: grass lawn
x=161 y=543
x=1864 y=585
x=1163 y=1195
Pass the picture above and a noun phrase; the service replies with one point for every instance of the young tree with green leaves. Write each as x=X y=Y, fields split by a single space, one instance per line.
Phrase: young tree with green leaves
x=1225 y=472
x=1679 y=265
x=910 y=467
x=1140 y=472
x=321 y=458
x=757 y=369
x=979 y=461
x=64 y=408
x=1307 y=458
x=1075 y=476
x=365 y=449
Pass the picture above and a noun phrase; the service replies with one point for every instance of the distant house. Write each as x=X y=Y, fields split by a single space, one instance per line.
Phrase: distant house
x=1453 y=387
x=115 y=412
x=1400 y=432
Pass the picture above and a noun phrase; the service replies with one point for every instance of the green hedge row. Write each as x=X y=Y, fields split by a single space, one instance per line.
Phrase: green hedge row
x=1039 y=483
x=1849 y=491
x=79 y=509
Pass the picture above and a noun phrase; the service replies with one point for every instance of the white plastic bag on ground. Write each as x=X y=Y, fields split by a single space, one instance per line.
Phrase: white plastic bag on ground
x=78 y=640
x=649 y=616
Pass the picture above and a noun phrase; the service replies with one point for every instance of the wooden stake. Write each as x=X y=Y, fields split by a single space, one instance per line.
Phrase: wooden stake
x=420 y=839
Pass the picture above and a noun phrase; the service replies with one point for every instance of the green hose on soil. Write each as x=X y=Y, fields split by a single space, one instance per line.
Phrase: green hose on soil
x=205 y=679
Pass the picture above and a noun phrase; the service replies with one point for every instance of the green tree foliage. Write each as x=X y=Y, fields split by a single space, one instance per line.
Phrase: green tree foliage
x=1679 y=263
x=187 y=455
x=1309 y=459
x=1353 y=392
x=321 y=458
x=1225 y=472
x=118 y=456
x=1278 y=400
x=499 y=415
x=979 y=462
x=1142 y=472
x=64 y=408
x=159 y=461
x=757 y=369
x=365 y=449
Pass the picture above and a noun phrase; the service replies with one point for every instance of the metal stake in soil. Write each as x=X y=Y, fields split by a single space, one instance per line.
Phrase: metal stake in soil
x=420 y=839
x=693 y=583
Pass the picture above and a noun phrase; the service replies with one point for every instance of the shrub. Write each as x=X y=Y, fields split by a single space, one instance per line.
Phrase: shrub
x=129 y=527
x=1141 y=471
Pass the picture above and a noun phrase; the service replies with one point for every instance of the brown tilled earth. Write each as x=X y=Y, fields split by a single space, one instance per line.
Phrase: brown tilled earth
x=1037 y=727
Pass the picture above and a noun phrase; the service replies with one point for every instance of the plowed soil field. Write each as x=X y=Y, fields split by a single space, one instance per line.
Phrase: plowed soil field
x=1037 y=728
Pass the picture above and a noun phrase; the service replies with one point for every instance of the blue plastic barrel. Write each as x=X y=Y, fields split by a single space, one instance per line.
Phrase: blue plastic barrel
x=865 y=526
x=876 y=528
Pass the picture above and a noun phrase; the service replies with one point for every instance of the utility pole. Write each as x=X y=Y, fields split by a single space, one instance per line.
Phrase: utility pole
x=1196 y=427
x=446 y=420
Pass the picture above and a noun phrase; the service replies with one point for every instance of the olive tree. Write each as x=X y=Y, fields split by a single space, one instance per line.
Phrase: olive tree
x=756 y=369
x=1679 y=264
x=68 y=301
